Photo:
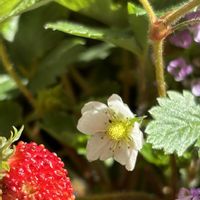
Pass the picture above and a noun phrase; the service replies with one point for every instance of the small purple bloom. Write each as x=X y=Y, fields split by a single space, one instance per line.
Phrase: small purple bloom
x=196 y=88
x=181 y=39
x=179 y=69
x=195 y=29
x=189 y=194
x=196 y=32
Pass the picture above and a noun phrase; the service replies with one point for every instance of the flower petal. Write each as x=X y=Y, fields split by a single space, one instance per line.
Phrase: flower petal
x=130 y=164
x=93 y=105
x=98 y=146
x=137 y=136
x=93 y=122
x=126 y=155
x=115 y=102
x=121 y=153
x=197 y=35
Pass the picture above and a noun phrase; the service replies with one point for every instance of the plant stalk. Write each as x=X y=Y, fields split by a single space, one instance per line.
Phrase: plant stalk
x=159 y=65
x=175 y=15
x=147 y=6
x=10 y=70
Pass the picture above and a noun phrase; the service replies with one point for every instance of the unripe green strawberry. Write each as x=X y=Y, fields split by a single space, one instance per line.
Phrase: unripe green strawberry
x=35 y=174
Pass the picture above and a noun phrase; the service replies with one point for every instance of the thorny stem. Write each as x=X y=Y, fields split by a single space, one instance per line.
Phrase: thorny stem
x=10 y=70
x=151 y=14
x=175 y=15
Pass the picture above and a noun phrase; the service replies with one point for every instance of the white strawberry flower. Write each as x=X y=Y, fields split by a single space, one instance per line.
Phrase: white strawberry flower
x=114 y=131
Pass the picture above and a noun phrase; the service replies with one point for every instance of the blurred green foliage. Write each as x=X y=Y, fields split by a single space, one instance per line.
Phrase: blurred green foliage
x=69 y=52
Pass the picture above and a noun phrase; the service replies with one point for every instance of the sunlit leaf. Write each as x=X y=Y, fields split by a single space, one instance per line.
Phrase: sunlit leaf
x=139 y=23
x=9 y=28
x=176 y=123
x=14 y=7
x=6 y=85
x=120 y=38
x=114 y=13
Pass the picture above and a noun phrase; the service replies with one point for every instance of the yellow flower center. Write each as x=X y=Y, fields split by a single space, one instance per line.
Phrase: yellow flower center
x=118 y=130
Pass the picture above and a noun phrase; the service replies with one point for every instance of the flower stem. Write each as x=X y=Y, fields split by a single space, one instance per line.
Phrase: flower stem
x=184 y=24
x=147 y=6
x=159 y=65
x=175 y=15
x=10 y=70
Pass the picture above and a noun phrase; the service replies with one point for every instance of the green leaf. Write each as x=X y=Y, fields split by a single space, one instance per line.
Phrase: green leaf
x=9 y=28
x=10 y=115
x=50 y=99
x=114 y=13
x=198 y=145
x=139 y=23
x=176 y=123
x=100 y=51
x=135 y=10
x=10 y=8
x=56 y=63
x=76 y=5
x=30 y=25
x=61 y=127
x=6 y=85
x=120 y=38
x=154 y=156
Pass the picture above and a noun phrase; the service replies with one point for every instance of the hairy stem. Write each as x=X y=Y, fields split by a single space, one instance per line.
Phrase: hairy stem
x=175 y=15
x=147 y=6
x=185 y=24
x=159 y=65
x=10 y=70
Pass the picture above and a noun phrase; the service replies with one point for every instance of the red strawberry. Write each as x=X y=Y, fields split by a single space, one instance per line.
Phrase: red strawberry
x=35 y=174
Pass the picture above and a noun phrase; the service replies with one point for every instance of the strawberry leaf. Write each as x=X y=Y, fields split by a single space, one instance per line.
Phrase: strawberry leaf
x=118 y=37
x=15 y=7
x=176 y=123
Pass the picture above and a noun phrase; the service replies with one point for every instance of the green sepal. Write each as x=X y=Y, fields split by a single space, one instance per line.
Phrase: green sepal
x=6 y=150
x=138 y=119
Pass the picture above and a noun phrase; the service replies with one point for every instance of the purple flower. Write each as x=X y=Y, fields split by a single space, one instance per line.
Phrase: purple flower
x=196 y=32
x=195 y=29
x=179 y=69
x=181 y=39
x=184 y=38
x=196 y=88
x=189 y=194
